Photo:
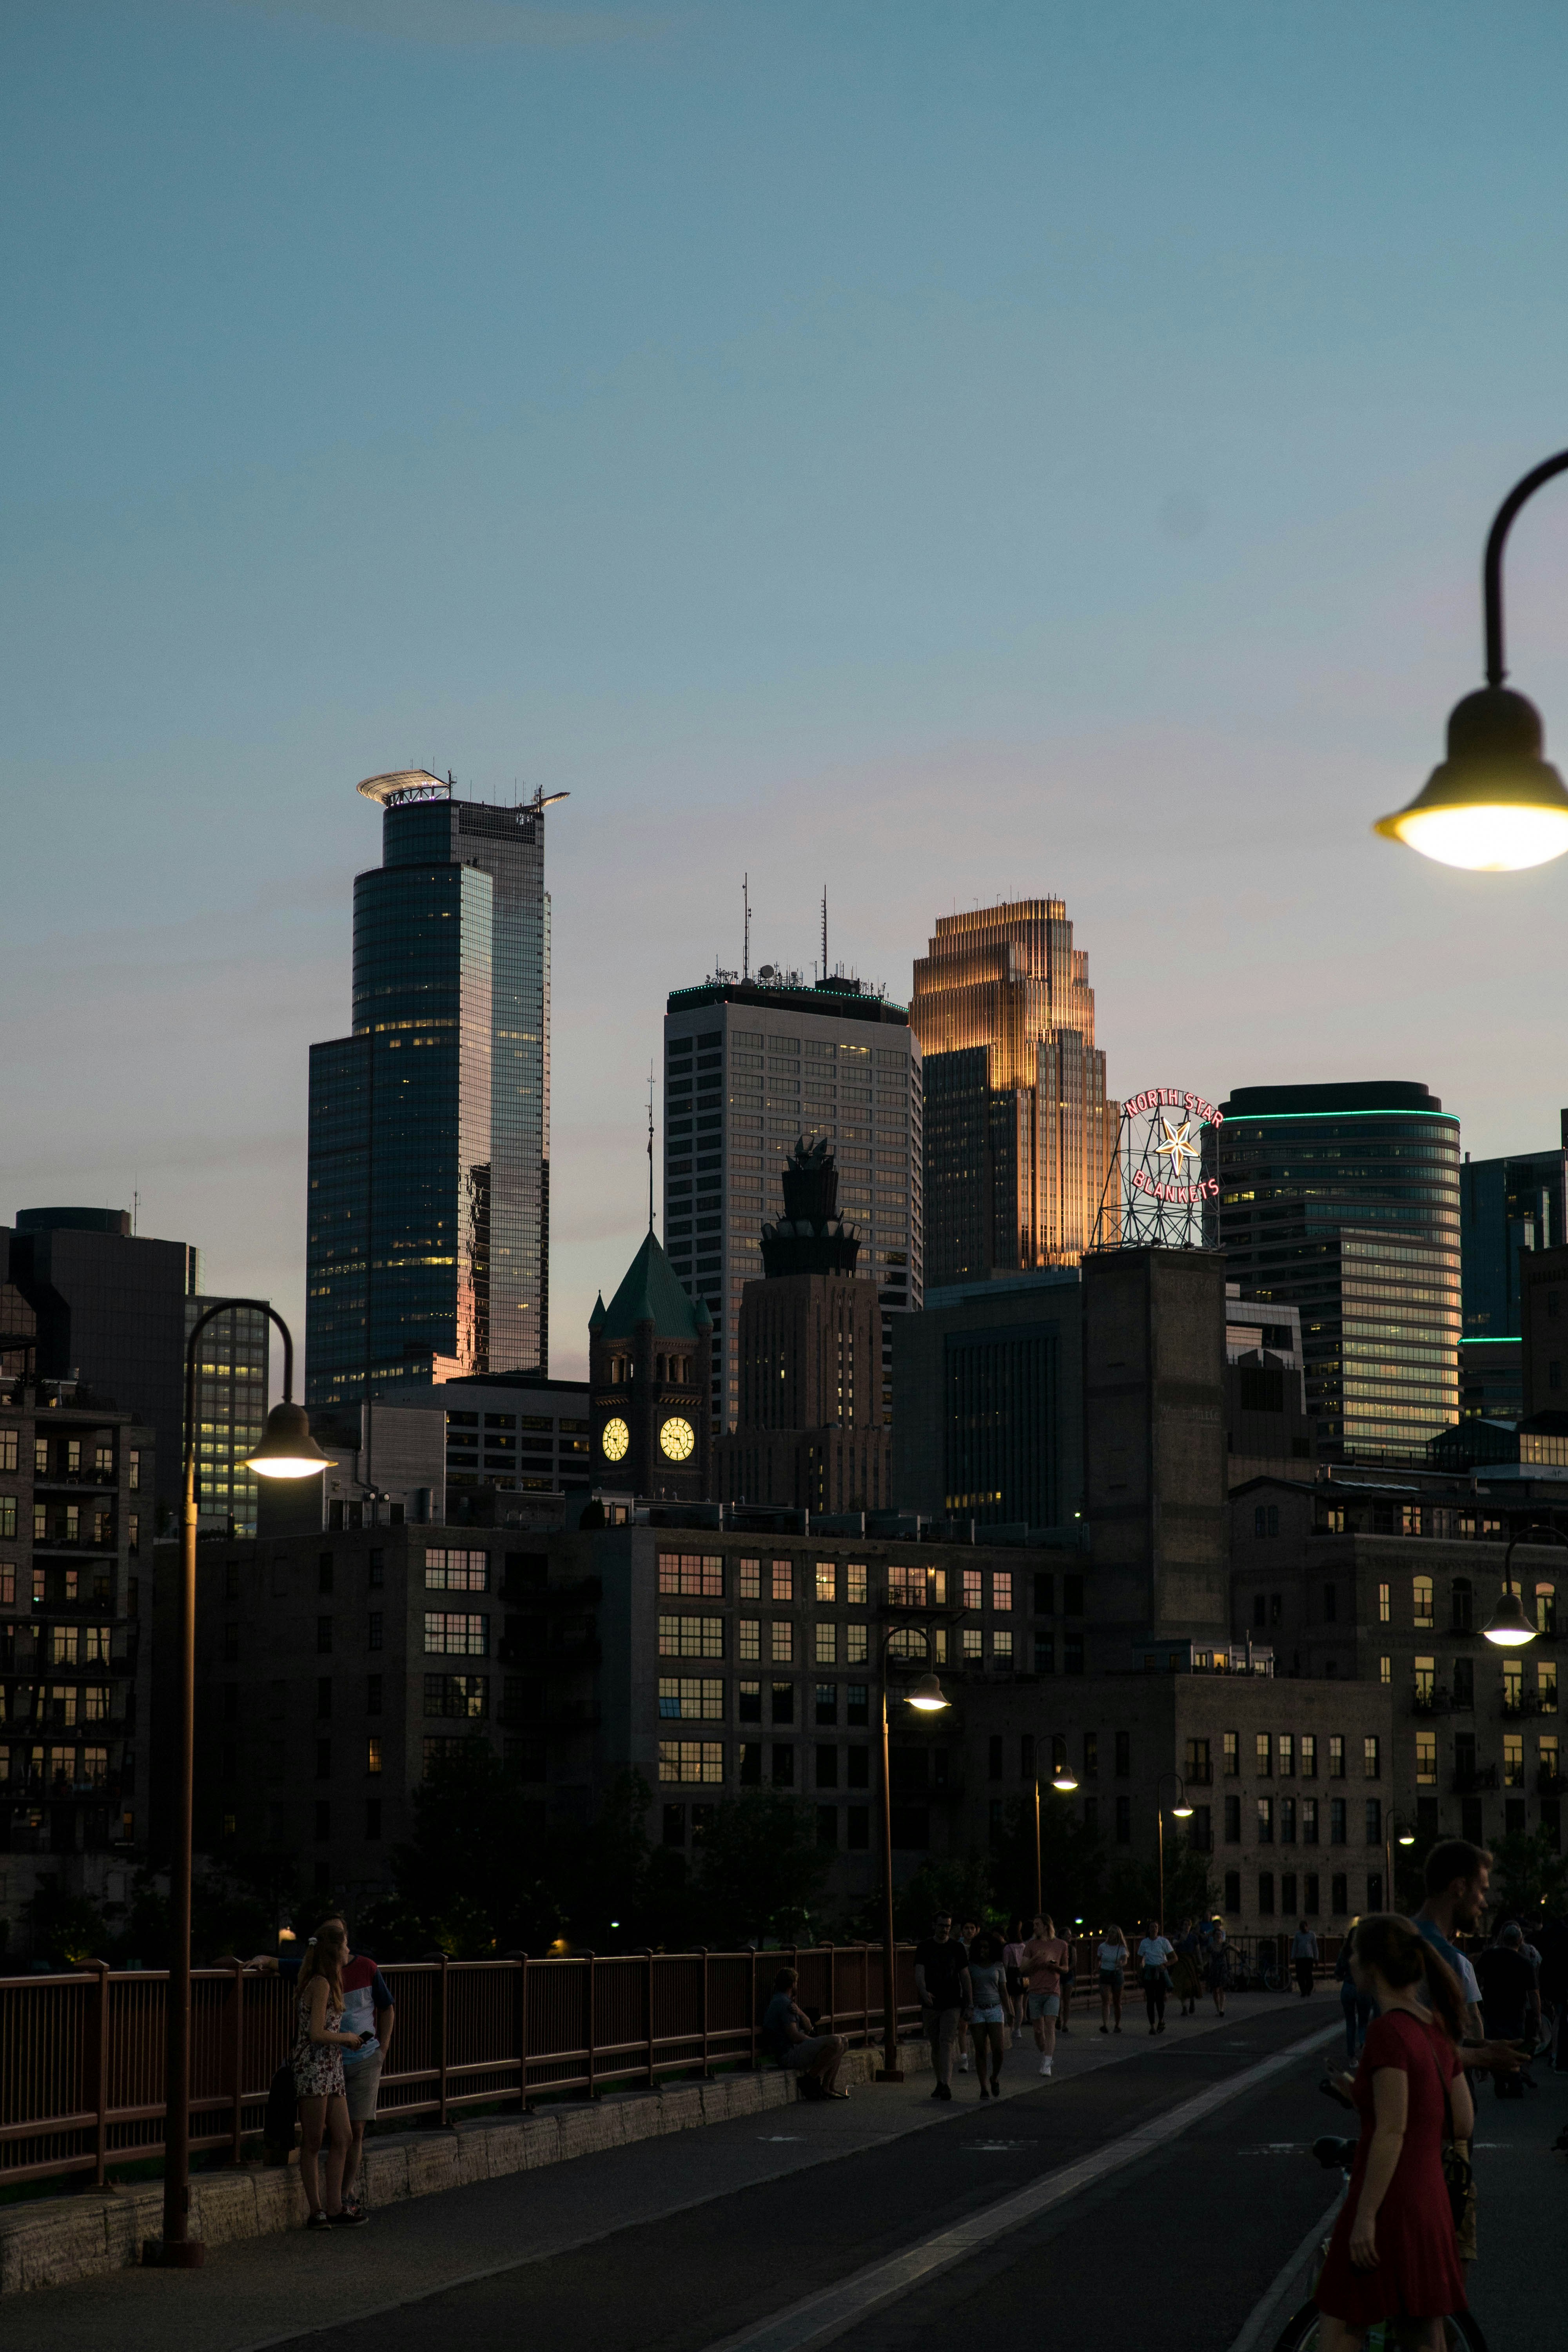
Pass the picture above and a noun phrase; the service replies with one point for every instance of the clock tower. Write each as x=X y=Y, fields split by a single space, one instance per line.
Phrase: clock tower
x=647 y=1380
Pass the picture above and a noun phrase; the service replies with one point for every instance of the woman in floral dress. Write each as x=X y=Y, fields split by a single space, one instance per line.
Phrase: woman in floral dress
x=318 y=2046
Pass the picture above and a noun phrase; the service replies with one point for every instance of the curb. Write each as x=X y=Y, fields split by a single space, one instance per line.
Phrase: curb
x=59 y=2241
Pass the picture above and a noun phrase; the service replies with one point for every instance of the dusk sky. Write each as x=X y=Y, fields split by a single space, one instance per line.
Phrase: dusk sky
x=947 y=452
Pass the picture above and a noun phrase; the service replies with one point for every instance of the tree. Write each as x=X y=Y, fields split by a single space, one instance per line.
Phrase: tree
x=759 y=1869
x=1531 y=1874
x=66 y=1927
x=470 y=1881
x=962 y=1887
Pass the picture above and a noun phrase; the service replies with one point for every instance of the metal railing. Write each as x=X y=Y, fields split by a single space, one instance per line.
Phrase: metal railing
x=81 y=2056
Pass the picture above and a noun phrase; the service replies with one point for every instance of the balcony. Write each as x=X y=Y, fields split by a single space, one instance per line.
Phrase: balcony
x=1516 y=1707
x=1549 y=1784
x=1477 y=1781
x=1199 y=1776
x=1430 y=1699
x=105 y=1482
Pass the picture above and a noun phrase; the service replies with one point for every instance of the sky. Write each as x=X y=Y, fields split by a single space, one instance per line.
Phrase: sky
x=941 y=452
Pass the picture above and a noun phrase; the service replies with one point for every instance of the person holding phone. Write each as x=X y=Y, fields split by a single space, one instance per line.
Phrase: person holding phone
x=319 y=2042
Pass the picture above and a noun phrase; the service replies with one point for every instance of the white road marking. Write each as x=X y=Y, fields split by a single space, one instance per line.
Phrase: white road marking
x=820 y=2317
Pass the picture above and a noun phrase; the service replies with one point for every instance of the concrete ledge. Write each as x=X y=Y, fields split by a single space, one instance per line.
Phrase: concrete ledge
x=58 y=2240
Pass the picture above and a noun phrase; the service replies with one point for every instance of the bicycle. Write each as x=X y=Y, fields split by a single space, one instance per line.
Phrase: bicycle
x=1301 y=2331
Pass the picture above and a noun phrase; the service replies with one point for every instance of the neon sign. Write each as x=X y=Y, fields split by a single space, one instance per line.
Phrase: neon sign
x=1160 y=1184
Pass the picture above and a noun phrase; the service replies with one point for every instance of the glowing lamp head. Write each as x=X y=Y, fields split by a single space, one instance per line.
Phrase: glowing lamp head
x=1508 y=1625
x=1494 y=805
x=1064 y=1779
x=288 y=1450
x=1407 y=1837
x=927 y=1696
x=1183 y=1811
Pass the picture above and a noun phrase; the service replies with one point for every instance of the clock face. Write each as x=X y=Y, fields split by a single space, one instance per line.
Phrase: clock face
x=676 y=1438
x=614 y=1438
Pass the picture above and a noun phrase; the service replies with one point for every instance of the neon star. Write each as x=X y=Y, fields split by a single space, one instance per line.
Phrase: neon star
x=1179 y=1145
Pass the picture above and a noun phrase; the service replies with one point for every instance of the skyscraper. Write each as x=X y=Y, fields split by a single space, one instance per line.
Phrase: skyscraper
x=1345 y=1202
x=750 y=1065
x=1019 y=1134
x=428 y=1235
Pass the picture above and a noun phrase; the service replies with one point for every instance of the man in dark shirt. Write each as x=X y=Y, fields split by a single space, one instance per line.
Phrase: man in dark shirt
x=942 y=1980
x=1507 y=1980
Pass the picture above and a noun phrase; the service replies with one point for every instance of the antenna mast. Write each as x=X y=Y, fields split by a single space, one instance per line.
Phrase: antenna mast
x=825 y=930
x=746 y=929
x=650 y=1147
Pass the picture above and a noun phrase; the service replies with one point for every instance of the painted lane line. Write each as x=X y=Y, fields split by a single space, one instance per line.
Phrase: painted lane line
x=1268 y=2314
x=819 y=2317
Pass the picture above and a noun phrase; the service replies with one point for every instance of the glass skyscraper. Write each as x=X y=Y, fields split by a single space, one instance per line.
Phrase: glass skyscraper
x=429 y=1229
x=1344 y=1201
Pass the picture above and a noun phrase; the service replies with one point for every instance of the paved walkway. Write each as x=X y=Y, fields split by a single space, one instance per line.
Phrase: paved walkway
x=678 y=2245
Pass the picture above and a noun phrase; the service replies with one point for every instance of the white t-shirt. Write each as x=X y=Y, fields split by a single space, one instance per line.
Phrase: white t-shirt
x=1154 y=1951
x=1112 y=1955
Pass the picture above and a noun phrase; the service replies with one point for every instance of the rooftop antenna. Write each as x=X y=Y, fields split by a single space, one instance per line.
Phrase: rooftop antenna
x=650 y=1148
x=825 y=930
x=746 y=931
x=135 y=1207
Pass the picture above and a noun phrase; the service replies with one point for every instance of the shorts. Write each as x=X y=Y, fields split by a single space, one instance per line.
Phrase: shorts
x=1044 y=2004
x=1110 y=1976
x=986 y=2017
x=361 y=2082
x=804 y=2053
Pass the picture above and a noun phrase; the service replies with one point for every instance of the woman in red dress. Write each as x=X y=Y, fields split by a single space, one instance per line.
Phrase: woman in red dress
x=1392 y=2255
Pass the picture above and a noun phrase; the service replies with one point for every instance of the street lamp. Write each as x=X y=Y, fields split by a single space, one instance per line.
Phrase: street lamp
x=928 y=1698
x=1182 y=1812
x=1494 y=804
x=1064 y=1779
x=1507 y=1626
x=288 y=1450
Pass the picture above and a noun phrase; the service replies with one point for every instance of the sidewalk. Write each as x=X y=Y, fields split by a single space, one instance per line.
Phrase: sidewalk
x=1518 y=2283
x=259 y=2290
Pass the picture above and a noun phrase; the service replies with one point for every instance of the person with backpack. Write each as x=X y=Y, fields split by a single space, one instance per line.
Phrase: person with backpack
x=319 y=2042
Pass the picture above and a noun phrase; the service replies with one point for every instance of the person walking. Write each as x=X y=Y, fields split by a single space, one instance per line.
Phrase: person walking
x=1187 y=1976
x=1045 y=1957
x=1457 y=1877
x=1216 y=1965
x=1113 y=1956
x=1303 y=1956
x=1013 y=1954
x=942 y=1981
x=1392 y=2255
x=1154 y=1953
x=320 y=2042
x=987 y=2009
x=966 y=1935
x=1356 y=2005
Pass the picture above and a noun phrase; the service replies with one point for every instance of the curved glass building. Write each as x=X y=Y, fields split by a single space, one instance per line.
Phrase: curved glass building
x=428 y=1231
x=1344 y=1201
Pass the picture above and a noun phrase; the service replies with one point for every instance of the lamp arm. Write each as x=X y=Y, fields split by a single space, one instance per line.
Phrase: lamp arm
x=1537 y=1528
x=225 y=1306
x=1491 y=568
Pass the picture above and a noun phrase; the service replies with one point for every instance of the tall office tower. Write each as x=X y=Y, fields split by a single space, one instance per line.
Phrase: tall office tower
x=1506 y=1207
x=109 y=1307
x=811 y=1434
x=1019 y=1134
x=1345 y=1202
x=231 y=1413
x=427 y=1247
x=750 y=1066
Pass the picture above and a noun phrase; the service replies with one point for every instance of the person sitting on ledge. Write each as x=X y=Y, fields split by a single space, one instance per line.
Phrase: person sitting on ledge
x=787 y=2036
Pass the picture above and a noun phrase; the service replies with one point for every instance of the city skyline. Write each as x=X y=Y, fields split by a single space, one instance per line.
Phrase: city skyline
x=1071 y=484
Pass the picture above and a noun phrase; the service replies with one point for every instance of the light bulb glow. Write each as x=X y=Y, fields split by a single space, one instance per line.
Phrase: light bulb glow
x=1183 y=1812
x=1064 y=1783
x=1488 y=837
x=283 y=1466
x=1510 y=1637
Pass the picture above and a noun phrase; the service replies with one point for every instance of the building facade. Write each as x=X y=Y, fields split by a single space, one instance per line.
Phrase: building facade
x=1020 y=1137
x=1343 y=1201
x=429 y=1226
x=750 y=1067
x=77 y=1491
x=231 y=1412
x=109 y=1307
x=1388 y=1587
x=990 y=1424
x=1506 y=1207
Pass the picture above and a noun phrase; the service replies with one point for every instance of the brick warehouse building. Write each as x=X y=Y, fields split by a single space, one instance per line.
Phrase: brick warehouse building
x=332 y=1672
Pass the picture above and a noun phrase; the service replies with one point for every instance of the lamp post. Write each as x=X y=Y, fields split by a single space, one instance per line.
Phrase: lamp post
x=287 y=1451
x=927 y=1697
x=1494 y=804
x=1508 y=1627
x=1182 y=1812
x=1395 y=1831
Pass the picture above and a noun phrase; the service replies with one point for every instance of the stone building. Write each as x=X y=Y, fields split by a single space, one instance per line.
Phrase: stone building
x=649 y=1431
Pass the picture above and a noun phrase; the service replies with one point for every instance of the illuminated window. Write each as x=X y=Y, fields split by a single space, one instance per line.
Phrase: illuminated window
x=456 y=1572
x=1002 y=1589
x=826 y=1581
x=1264 y=1744
x=1287 y=1756
x=971 y=1642
x=1427 y=1759
x=827 y=1642
x=699 y=1761
x=697 y=1576
x=1513 y=1760
x=782 y=1650
x=855 y=1585
x=855 y=1645
x=1232 y=1755
x=1371 y=1757
x=1421 y=1599
x=694 y=1637
x=1001 y=1648
x=373 y=1754
x=1386 y=1670
x=783 y=1580
x=750 y=1579
x=1383 y=1609
x=683 y=1698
